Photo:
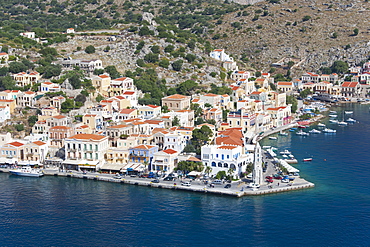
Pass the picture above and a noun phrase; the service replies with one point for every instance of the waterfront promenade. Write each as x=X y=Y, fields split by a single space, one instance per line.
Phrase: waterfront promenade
x=237 y=189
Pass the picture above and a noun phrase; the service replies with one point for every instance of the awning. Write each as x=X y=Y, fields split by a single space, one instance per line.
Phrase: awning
x=194 y=173
x=112 y=167
x=81 y=163
x=28 y=163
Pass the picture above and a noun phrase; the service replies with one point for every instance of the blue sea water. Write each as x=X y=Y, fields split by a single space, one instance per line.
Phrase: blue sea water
x=56 y=211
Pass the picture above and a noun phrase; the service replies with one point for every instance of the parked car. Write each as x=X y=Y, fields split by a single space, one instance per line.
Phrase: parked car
x=144 y=175
x=186 y=184
x=269 y=177
x=168 y=178
x=278 y=177
x=117 y=176
x=227 y=186
x=253 y=185
x=270 y=180
x=217 y=181
x=155 y=181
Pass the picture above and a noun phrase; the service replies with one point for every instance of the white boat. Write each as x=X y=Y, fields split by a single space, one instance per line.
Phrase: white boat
x=351 y=120
x=342 y=123
x=27 y=171
x=326 y=130
x=348 y=112
x=333 y=112
x=286 y=152
x=333 y=121
x=302 y=133
x=333 y=115
x=291 y=156
x=273 y=138
x=321 y=125
x=266 y=147
x=315 y=131
x=307 y=159
x=285 y=156
x=281 y=133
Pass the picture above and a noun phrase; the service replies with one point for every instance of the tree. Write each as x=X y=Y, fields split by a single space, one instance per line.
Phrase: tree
x=230 y=172
x=293 y=101
x=98 y=71
x=355 y=32
x=140 y=63
x=75 y=81
x=145 y=31
x=290 y=64
x=48 y=51
x=339 y=67
x=32 y=120
x=188 y=166
x=175 y=121
x=80 y=98
x=19 y=127
x=200 y=137
x=155 y=49
x=187 y=87
x=151 y=58
x=305 y=93
x=90 y=49
x=306 y=18
x=325 y=70
x=51 y=70
x=190 y=57
x=164 y=63
x=99 y=98
x=177 y=65
x=208 y=170
x=112 y=71
x=16 y=67
x=335 y=35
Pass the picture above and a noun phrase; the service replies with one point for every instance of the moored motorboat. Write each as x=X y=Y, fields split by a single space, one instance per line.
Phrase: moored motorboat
x=273 y=138
x=333 y=121
x=286 y=152
x=302 y=127
x=326 y=130
x=281 y=133
x=27 y=171
x=321 y=125
x=351 y=120
x=333 y=112
x=302 y=133
x=342 y=123
x=307 y=159
x=333 y=115
x=315 y=131
x=348 y=112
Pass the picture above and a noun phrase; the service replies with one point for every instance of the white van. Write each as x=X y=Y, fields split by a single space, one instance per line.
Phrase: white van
x=217 y=181
x=186 y=184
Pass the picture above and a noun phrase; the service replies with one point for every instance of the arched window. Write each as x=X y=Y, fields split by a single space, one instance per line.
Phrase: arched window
x=214 y=164
x=232 y=166
x=226 y=165
x=219 y=164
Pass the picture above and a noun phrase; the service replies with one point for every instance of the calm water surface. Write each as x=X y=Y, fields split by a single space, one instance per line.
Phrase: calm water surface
x=52 y=211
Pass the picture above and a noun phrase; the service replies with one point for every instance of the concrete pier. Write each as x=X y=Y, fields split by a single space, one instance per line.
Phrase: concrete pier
x=238 y=189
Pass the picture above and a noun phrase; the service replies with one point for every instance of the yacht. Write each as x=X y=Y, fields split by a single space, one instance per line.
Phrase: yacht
x=333 y=115
x=27 y=171
x=315 y=131
x=326 y=130
x=348 y=112
x=273 y=138
x=321 y=125
x=302 y=133
x=342 y=123
x=333 y=121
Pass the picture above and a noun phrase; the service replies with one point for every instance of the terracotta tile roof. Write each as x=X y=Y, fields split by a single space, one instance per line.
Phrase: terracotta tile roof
x=195 y=100
x=193 y=159
x=176 y=96
x=127 y=111
x=129 y=93
x=120 y=79
x=87 y=137
x=210 y=95
x=60 y=128
x=90 y=115
x=231 y=136
x=349 y=84
x=143 y=147
x=218 y=50
x=120 y=126
x=39 y=143
x=162 y=130
x=83 y=127
x=29 y=92
x=6 y=100
x=153 y=121
x=153 y=106
x=225 y=95
x=16 y=144
x=47 y=83
x=59 y=117
x=103 y=76
x=227 y=147
x=3 y=53
x=169 y=151
x=256 y=92
x=285 y=83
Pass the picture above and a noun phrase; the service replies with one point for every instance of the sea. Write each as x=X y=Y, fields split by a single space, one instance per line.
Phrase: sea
x=59 y=211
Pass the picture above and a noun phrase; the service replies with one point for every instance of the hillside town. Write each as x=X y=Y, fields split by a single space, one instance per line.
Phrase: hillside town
x=203 y=133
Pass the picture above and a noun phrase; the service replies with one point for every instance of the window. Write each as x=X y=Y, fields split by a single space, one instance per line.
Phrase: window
x=222 y=156
x=227 y=156
x=214 y=164
x=216 y=155
x=219 y=164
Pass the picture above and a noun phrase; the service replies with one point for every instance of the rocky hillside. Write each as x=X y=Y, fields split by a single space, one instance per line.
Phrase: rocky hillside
x=317 y=32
